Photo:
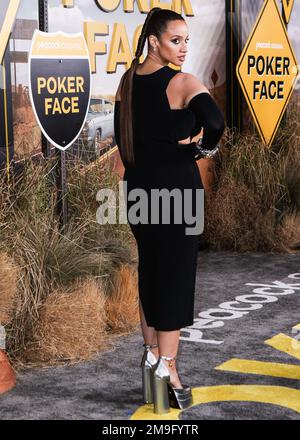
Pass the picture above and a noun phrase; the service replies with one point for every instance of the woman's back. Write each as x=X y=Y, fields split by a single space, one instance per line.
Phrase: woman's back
x=156 y=127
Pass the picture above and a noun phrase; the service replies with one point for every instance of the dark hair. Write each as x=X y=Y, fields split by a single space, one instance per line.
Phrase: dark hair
x=156 y=24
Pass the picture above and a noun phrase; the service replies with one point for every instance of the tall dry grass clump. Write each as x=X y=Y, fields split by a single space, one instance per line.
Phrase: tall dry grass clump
x=72 y=325
x=234 y=219
x=255 y=202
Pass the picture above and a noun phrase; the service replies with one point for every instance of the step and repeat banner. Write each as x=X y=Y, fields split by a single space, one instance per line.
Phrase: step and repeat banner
x=26 y=131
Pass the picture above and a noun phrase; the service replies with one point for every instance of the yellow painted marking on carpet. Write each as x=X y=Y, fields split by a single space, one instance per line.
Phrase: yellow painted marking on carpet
x=276 y=395
x=282 y=396
x=145 y=412
x=286 y=344
x=275 y=369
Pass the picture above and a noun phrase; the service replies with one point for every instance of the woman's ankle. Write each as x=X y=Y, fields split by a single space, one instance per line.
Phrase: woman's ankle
x=174 y=378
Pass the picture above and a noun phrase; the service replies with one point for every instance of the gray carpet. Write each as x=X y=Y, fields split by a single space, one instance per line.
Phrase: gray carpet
x=109 y=387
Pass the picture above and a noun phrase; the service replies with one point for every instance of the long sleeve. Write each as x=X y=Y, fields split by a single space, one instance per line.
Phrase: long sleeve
x=117 y=128
x=209 y=116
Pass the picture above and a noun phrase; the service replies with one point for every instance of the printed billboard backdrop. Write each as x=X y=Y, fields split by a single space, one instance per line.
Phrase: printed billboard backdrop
x=294 y=36
x=26 y=132
x=8 y=13
x=205 y=58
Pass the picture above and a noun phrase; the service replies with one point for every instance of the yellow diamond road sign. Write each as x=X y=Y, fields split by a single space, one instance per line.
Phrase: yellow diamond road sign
x=267 y=70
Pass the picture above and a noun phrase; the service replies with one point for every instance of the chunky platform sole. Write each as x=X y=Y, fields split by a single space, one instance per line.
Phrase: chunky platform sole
x=147 y=383
x=160 y=396
x=180 y=398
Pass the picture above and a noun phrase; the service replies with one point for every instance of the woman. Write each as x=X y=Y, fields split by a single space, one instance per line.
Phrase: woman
x=158 y=110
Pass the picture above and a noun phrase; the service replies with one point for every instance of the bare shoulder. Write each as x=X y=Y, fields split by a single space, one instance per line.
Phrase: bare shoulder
x=191 y=86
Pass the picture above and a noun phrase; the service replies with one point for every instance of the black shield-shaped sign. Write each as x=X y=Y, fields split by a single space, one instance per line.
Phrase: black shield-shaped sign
x=59 y=85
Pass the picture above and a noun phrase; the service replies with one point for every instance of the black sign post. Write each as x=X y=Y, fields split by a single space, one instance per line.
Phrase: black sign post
x=60 y=173
x=234 y=112
x=43 y=26
x=6 y=125
x=283 y=120
x=61 y=184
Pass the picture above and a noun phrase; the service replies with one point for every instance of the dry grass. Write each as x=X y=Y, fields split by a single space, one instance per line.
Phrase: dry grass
x=290 y=230
x=52 y=259
x=9 y=273
x=122 y=305
x=71 y=326
x=256 y=191
x=49 y=261
x=233 y=219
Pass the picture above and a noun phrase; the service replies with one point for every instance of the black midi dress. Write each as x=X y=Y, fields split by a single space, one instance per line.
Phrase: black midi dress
x=167 y=255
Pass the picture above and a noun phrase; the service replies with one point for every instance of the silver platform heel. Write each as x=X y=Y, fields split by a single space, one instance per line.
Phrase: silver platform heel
x=147 y=364
x=164 y=394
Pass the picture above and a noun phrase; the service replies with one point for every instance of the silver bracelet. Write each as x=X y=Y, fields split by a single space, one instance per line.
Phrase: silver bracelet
x=203 y=152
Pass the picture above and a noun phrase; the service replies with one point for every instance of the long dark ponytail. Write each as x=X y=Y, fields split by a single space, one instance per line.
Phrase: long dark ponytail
x=156 y=24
